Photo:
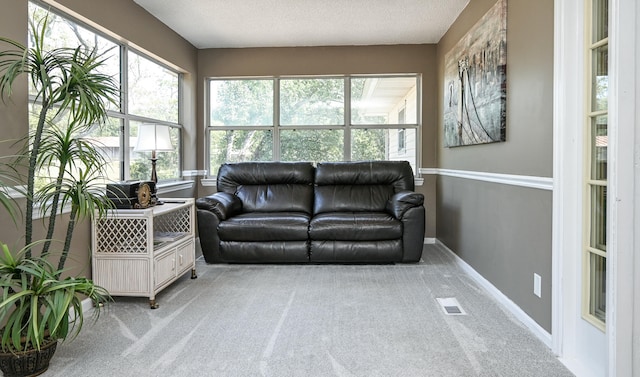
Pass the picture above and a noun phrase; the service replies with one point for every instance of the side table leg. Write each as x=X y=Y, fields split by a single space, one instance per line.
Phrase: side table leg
x=153 y=304
x=193 y=274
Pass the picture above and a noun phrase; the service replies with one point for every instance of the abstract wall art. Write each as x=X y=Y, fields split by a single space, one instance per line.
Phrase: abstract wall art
x=475 y=83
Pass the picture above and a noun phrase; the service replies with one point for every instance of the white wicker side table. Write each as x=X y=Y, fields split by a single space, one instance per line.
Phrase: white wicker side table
x=139 y=252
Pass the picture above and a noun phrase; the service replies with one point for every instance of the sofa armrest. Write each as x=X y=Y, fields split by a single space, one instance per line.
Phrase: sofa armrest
x=403 y=201
x=222 y=204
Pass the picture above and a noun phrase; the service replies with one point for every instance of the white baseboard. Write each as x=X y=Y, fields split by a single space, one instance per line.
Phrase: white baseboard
x=505 y=301
x=578 y=368
x=429 y=241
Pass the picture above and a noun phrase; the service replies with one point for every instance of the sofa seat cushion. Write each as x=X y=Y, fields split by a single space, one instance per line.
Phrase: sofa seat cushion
x=388 y=251
x=265 y=226
x=355 y=226
x=261 y=252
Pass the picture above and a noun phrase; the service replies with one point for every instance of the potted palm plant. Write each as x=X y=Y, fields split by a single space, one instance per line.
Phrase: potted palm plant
x=60 y=169
x=38 y=308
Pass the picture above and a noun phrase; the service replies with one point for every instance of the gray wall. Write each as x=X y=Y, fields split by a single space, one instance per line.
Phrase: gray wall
x=126 y=21
x=504 y=232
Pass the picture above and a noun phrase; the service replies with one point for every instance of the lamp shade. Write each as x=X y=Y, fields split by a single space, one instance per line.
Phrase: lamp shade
x=153 y=137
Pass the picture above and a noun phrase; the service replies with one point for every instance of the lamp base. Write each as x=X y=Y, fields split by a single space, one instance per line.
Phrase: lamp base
x=154 y=176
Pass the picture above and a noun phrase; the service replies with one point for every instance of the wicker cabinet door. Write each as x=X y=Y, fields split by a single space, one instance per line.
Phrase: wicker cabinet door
x=185 y=256
x=164 y=269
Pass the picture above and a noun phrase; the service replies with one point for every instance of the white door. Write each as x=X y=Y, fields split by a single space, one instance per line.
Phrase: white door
x=595 y=127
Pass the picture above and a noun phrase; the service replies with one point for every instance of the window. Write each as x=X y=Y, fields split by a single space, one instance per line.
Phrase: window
x=152 y=97
x=309 y=102
x=241 y=121
x=595 y=228
x=402 y=140
x=151 y=94
x=313 y=119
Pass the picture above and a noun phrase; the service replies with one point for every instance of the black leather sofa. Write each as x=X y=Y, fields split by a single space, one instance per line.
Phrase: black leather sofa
x=293 y=212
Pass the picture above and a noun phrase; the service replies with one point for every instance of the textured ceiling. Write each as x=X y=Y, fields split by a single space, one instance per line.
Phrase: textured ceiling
x=279 y=23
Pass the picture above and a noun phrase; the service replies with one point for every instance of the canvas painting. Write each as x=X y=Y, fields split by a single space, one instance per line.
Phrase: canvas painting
x=475 y=83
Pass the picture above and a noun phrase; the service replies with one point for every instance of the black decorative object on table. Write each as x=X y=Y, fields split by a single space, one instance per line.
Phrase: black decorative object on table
x=132 y=194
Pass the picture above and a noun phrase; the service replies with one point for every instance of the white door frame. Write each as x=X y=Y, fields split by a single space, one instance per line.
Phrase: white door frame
x=568 y=108
x=624 y=187
x=623 y=269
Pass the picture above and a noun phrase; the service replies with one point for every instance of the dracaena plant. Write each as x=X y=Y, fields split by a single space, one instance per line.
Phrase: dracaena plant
x=59 y=169
x=72 y=95
x=76 y=182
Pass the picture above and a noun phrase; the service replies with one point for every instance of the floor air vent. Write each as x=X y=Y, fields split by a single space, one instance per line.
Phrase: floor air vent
x=450 y=306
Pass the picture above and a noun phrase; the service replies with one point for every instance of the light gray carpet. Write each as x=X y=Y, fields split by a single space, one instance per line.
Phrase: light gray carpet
x=301 y=320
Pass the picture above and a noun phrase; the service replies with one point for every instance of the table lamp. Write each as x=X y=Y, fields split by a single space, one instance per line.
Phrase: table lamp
x=153 y=138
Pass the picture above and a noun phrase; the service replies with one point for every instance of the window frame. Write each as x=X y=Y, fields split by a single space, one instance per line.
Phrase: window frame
x=122 y=114
x=590 y=281
x=348 y=126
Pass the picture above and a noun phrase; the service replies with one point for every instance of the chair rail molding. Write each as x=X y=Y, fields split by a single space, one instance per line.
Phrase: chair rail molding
x=542 y=183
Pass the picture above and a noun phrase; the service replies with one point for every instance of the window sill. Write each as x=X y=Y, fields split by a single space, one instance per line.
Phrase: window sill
x=208 y=182
x=163 y=188
x=211 y=182
x=167 y=187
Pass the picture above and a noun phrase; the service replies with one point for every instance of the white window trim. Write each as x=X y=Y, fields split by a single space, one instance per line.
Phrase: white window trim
x=588 y=183
x=167 y=187
x=623 y=267
x=347 y=126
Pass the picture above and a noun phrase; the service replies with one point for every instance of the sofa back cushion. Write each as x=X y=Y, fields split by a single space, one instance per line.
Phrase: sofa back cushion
x=269 y=186
x=359 y=186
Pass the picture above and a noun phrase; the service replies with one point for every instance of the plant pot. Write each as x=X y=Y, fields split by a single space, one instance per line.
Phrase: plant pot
x=28 y=363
